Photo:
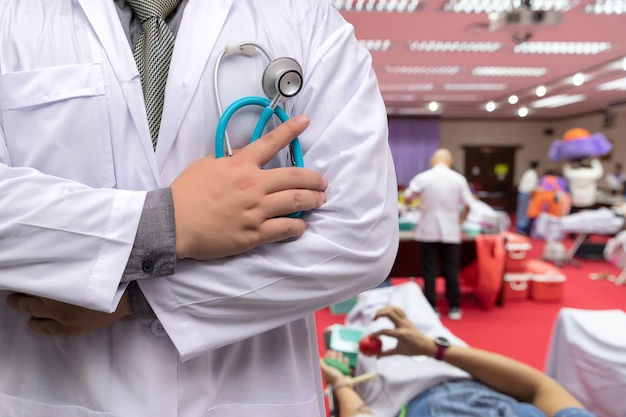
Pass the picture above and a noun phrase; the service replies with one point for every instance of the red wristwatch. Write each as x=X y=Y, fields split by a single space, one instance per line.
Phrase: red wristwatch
x=442 y=344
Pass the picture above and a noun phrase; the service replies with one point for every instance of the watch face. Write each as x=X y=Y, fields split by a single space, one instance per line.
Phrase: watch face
x=442 y=341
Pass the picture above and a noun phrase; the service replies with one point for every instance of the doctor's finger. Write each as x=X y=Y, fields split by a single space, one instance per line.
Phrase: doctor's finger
x=283 y=203
x=281 y=228
x=48 y=327
x=267 y=146
x=27 y=304
x=279 y=179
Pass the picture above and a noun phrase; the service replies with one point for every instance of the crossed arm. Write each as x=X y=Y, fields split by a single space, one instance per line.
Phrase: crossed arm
x=239 y=208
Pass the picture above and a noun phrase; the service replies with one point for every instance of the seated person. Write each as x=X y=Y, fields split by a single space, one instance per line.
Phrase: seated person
x=494 y=386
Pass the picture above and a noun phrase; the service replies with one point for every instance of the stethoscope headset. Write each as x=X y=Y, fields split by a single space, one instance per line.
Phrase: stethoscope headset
x=282 y=80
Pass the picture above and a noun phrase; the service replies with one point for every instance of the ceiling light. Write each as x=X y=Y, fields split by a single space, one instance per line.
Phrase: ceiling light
x=399 y=6
x=619 y=84
x=490 y=106
x=513 y=99
x=376 y=44
x=509 y=71
x=578 y=79
x=433 y=106
x=454 y=46
x=558 y=101
x=606 y=7
x=399 y=97
x=522 y=112
x=451 y=97
x=388 y=88
x=562 y=48
x=541 y=91
x=474 y=87
x=421 y=70
x=497 y=6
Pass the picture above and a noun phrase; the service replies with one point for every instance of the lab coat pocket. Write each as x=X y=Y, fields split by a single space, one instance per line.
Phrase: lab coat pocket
x=308 y=408
x=19 y=407
x=56 y=120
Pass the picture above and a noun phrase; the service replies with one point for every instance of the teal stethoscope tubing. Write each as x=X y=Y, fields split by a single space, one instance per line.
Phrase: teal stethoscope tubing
x=268 y=112
x=266 y=115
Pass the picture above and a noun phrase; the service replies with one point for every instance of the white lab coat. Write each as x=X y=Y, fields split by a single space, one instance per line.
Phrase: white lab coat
x=235 y=337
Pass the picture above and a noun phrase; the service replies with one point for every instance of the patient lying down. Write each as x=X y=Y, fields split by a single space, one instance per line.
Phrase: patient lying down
x=486 y=384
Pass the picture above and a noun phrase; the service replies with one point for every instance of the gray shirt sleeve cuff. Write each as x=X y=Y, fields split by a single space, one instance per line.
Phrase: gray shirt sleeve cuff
x=154 y=251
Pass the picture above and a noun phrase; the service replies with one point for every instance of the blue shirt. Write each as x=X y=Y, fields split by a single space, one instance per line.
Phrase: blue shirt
x=469 y=398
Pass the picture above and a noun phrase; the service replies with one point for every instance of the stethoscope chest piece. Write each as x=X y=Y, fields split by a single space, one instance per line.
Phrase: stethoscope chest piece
x=282 y=78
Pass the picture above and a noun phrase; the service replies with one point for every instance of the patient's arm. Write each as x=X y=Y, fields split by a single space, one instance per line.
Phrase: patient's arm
x=505 y=375
x=349 y=401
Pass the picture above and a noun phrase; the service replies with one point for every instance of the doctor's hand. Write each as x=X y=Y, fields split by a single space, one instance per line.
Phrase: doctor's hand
x=55 y=318
x=227 y=206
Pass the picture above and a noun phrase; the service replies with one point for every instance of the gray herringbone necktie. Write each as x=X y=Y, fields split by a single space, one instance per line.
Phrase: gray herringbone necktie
x=153 y=53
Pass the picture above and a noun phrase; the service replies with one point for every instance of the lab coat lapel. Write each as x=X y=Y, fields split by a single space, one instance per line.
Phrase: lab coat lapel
x=197 y=35
x=106 y=24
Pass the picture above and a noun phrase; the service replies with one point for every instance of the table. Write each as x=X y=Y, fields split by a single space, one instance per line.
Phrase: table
x=408 y=261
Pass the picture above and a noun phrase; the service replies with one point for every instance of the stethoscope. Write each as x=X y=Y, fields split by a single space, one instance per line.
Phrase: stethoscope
x=282 y=79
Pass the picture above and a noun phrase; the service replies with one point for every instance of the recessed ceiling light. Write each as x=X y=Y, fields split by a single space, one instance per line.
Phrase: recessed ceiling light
x=619 y=84
x=562 y=48
x=490 y=106
x=509 y=71
x=453 y=46
x=421 y=70
x=578 y=79
x=522 y=112
x=497 y=6
x=433 y=106
x=541 y=91
x=513 y=99
x=388 y=88
x=451 y=97
x=558 y=101
x=402 y=6
x=474 y=86
x=376 y=44
x=399 y=97
x=606 y=7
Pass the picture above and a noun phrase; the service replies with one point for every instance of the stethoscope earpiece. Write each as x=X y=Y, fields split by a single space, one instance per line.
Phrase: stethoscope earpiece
x=282 y=77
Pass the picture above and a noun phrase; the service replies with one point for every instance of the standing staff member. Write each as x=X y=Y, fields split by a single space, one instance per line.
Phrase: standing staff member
x=94 y=196
x=444 y=204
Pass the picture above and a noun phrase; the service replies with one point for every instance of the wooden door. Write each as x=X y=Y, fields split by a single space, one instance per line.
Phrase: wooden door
x=490 y=170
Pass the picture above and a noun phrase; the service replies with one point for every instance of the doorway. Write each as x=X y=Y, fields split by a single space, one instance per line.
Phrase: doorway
x=490 y=170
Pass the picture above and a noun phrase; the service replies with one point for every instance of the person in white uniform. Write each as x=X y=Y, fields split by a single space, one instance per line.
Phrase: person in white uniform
x=582 y=177
x=445 y=198
x=161 y=281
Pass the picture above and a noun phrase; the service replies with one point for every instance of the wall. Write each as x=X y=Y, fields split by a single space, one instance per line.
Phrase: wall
x=530 y=136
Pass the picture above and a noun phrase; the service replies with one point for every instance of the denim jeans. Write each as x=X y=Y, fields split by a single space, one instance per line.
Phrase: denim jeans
x=469 y=398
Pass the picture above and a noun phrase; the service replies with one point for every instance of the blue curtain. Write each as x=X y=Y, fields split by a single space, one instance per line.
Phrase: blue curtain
x=412 y=143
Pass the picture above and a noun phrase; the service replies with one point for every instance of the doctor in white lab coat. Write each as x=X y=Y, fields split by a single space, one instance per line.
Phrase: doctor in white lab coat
x=232 y=336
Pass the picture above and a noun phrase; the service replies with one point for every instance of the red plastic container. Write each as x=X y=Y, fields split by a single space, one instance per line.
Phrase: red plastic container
x=516 y=286
x=546 y=282
x=517 y=247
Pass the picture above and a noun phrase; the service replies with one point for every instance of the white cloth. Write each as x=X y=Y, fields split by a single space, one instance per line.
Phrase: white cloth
x=586 y=355
x=528 y=182
x=236 y=336
x=583 y=183
x=443 y=193
x=399 y=378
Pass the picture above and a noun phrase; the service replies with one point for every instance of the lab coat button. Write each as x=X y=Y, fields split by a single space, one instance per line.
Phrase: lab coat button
x=147 y=266
x=157 y=328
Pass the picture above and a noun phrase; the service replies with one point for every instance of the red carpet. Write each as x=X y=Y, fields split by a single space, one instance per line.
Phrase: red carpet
x=521 y=329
